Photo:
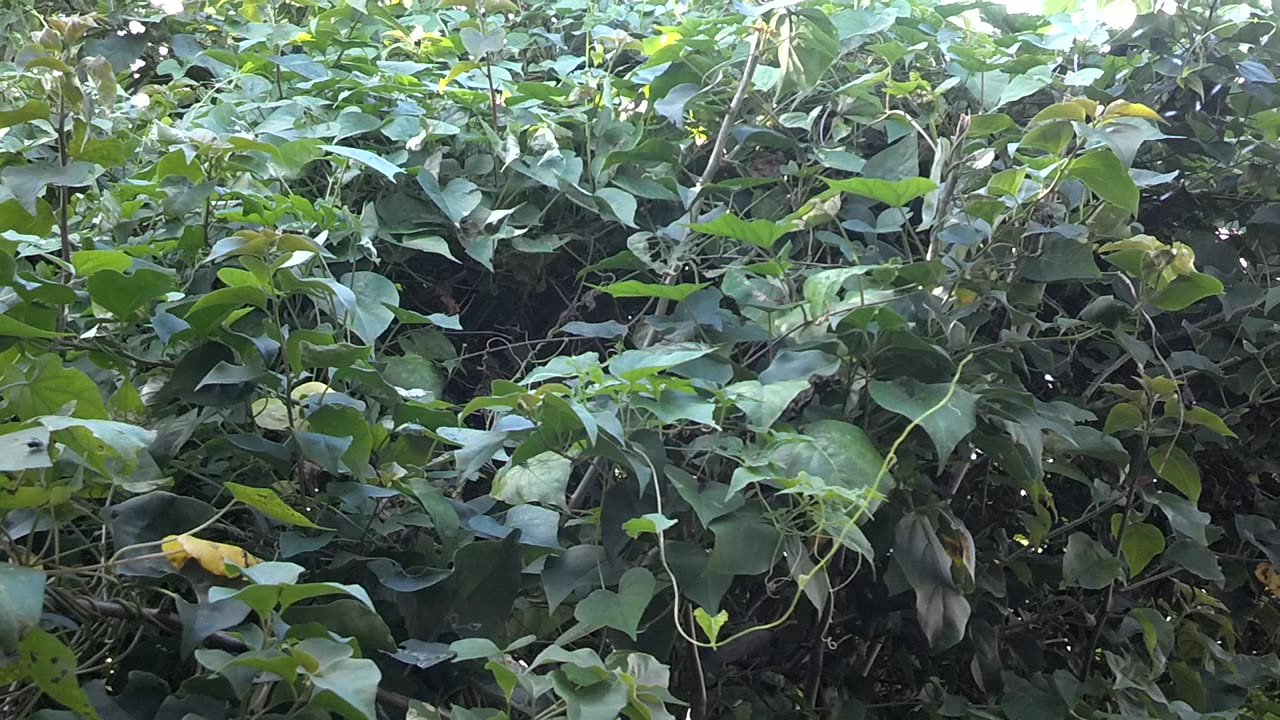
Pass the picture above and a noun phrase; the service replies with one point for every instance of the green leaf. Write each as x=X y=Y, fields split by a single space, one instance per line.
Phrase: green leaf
x=1061 y=258
x=1025 y=84
x=323 y=450
x=895 y=193
x=1173 y=464
x=374 y=162
x=1184 y=517
x=474 y=649
x=636 y=364
x=414 y=374
x=456 y=200
x=349 y=686
x=10 y=327
x=21 y=601
x=124 y=294
x=620 y=203
x=835 y=451
x=124 y=439
x=1059 y=111
x=542 y=478
x=1088 y=564
x=48 y=388
x=14 y=217
x=746 y=544
x=225 y=373
x=88 y=262
x=52 y=667
x=947 y=426
x=621 y=610
x=984 y=124
x=764 y=404
x=579 y=566
x=373 y=292
x=710 y=624
x=267 y=502
x=480 y=44
x=1185 y=290
x=652 y=523
x=761 y=233
x=504 y=677
x=107 y=152
x=599 y=700
x=941 y=609
x=671 y=105
x=710 y=500
x=1142 y=542
x=24 y=448
x=433 y=244
x=1124 y=416
x=1103 y=173
x=27 y=182
x=635 y=288
x=346 y=422
x=807 y=46
x=1209 y=420
x=31 y=110
x=240 y=296
x=1052 y=137
x=324 y=354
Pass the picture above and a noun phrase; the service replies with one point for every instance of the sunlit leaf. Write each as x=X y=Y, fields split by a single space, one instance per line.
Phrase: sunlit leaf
x=266 y=501
x=51 y=665
x=635 y=288
x=212 y=556
x=368 y=159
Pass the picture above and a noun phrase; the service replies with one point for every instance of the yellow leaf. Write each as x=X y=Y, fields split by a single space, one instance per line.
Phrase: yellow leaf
x=455 y=71
x=1124 y=108
x=307 y=389
x=271 y=414
x=1269 y=575
x=211 y=556
x=1090 y=107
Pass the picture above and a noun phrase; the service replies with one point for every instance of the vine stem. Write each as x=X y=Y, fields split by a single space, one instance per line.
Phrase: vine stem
x=493 y=116
x=1100 y=618
x=755 y=47
x=64 y=223
x=109 y=564
x=115 y=557
x=826 y=559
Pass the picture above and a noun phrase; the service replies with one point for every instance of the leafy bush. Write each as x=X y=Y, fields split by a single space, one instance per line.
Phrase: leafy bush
x=565 y=359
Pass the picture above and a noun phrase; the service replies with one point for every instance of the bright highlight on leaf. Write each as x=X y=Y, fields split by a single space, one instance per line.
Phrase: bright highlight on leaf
x=266 y=501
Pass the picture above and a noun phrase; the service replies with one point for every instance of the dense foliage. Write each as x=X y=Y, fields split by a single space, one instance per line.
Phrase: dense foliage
x=563 y=358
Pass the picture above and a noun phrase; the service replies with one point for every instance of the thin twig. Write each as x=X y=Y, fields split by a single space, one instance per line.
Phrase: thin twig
x=588 y=481
x=1100 y=619
x=493 y=113
x=64 y=227
x=756 y=44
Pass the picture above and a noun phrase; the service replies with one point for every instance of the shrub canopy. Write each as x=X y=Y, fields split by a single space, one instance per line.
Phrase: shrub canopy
x=556 y=358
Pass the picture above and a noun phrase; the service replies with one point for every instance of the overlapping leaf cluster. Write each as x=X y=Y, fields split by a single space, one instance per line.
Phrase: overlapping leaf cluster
x=577 y=359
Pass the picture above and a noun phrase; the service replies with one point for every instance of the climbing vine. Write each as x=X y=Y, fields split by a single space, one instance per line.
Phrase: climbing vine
x=575 y=359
